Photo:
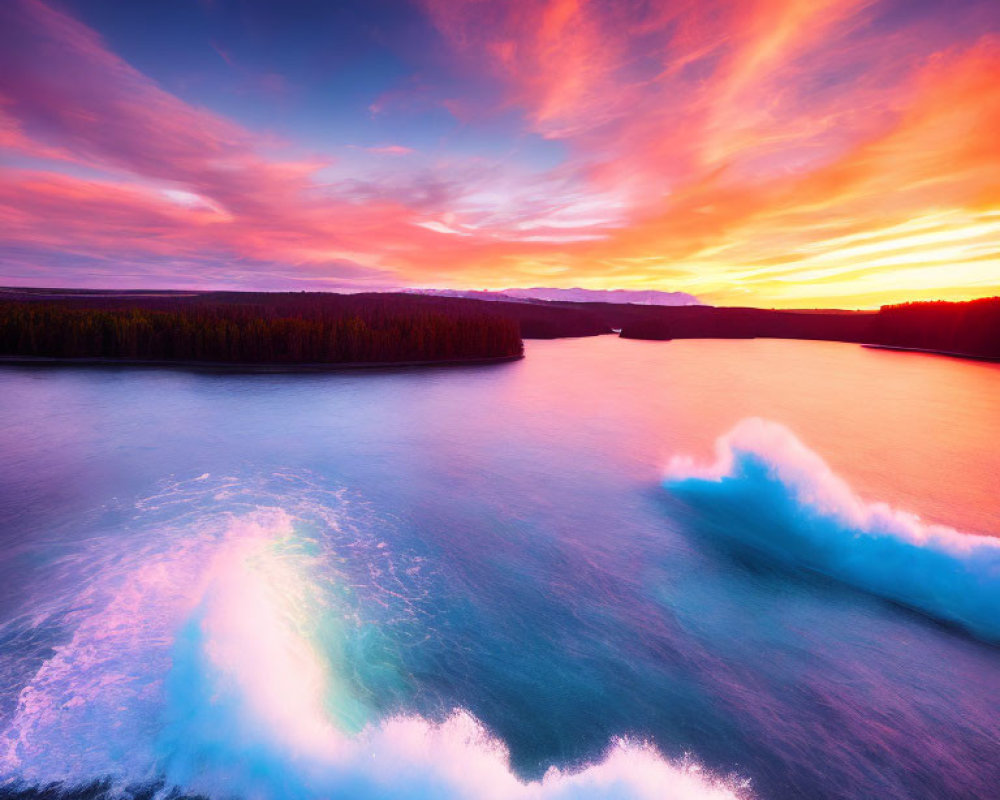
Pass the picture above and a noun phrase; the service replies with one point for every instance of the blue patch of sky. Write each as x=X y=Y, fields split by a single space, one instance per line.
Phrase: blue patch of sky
x=310 y=73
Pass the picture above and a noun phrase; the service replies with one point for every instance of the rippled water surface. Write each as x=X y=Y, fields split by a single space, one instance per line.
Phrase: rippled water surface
x=613 y=569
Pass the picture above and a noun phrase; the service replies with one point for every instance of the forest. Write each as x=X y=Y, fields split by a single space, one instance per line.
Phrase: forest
x=259 y=330
x=707 y=322
x=325 y=328
x=969 y=328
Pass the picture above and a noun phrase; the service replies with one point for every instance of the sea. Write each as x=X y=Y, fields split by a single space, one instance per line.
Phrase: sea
x=613 y=569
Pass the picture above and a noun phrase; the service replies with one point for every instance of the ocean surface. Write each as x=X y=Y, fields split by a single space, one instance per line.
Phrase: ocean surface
x=614 y=569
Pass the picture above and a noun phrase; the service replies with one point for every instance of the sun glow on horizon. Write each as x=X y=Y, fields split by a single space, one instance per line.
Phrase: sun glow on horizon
x=777 y=153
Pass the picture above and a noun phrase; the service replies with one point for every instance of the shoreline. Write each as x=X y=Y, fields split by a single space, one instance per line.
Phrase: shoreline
x=248 y=368
x=870 y=346
x=321 y=367
x=932 y=352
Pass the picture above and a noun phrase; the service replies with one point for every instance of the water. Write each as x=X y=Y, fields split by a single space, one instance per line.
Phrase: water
x=591 y=573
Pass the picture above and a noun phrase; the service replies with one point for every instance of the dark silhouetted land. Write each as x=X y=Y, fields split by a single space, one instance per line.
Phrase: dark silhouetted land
x=279 y=329
x=316 y=329
x=970 y=329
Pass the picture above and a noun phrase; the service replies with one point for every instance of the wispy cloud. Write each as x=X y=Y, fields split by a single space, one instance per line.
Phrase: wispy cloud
x=789 y=152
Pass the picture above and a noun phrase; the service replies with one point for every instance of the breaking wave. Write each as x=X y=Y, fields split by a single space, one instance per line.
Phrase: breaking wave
x=769 y=493
x=219 y=666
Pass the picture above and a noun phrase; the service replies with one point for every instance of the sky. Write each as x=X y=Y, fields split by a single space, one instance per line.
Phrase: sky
x=775 y=153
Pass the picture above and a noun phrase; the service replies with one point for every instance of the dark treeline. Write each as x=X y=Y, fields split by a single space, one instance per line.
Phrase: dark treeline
x=970 y=328
x=264 y=329
x=534 y=320
x=391 y=327
x=707 y=322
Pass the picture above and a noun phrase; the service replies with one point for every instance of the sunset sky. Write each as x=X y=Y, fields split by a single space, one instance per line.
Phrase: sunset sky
x=778 y=153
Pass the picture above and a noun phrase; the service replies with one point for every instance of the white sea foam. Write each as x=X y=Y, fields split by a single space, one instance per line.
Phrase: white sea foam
x=769 y=492
x=206 y=670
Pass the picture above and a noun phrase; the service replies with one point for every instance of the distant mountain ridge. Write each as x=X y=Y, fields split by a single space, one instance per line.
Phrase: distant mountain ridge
x=646 y=297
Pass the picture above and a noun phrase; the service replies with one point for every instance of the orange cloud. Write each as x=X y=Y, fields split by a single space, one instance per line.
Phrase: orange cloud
x=776 y=152
x=805 y=124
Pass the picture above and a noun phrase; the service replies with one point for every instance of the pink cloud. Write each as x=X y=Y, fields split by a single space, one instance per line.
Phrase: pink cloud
x=168 y=178
x=709 y=145
x=391 y=150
